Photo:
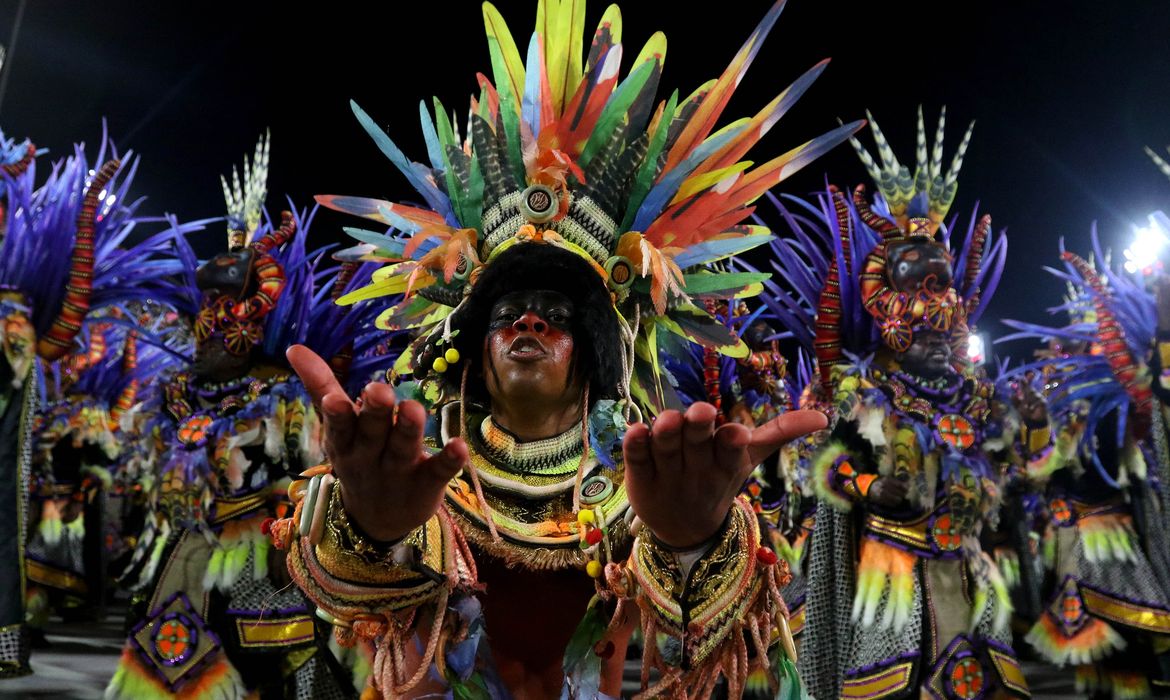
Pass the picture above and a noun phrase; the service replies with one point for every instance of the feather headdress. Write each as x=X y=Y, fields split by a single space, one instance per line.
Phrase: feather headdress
x=559 y=149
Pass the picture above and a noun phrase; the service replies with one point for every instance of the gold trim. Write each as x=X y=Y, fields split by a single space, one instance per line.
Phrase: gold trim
x=912 y=533
x=230 y=508
x=1009 y=671
x=255 y=632
x=1125 y=612
x=885 y=682
x=49 y=576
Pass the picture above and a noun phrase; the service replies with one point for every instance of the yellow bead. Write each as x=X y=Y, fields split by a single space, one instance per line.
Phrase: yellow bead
x=586 y=517
x=594 y=569
x=439 y=365
x=452 y=356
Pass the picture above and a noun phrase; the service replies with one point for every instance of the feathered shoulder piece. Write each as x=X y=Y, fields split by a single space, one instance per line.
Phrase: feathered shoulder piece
x=68 y=247
x=1100 y=351
x=561 y=149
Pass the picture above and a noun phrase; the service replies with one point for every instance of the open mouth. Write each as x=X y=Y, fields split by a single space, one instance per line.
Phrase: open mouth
x=526 y=348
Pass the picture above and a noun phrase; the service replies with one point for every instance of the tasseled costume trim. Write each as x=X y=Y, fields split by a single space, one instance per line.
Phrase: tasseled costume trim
x=218 y=681
x=883 y=569
x=1008 y=562
x=989 y=588
x=355 y=658
x=1106 y=538
x=229 y=558
x=366 y=614
x=728 y=658
x=1092 y=643
x=1120 y=685
x=51 y=528
x=729 y=661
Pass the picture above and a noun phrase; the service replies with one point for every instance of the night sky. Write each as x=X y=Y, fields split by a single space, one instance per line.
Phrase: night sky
x=1065 y=96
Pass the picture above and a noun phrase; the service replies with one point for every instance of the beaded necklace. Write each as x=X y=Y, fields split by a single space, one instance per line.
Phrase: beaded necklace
x=554 y=456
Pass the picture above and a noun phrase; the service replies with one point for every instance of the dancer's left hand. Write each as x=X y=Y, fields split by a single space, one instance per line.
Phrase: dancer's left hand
x=683 y=475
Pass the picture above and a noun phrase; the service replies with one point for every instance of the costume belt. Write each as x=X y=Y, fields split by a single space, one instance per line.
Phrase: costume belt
x=229 y=508
x=1067 y=511
x=935 y=535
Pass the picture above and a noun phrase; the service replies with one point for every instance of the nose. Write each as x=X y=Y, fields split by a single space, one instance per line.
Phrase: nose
x=530 y=322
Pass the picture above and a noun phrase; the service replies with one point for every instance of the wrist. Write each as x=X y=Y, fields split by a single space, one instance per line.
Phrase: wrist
x=367 y=523
x=690 y=544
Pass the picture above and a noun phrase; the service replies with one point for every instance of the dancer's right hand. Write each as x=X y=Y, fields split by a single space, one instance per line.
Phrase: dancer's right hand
x=888 y=491
x=389 y=485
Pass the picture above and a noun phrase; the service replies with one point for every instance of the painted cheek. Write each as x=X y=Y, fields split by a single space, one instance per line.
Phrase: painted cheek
x=559 y=343
x=500 y=340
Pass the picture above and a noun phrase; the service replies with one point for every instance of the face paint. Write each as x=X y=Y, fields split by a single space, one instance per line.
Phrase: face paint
x=529 y=349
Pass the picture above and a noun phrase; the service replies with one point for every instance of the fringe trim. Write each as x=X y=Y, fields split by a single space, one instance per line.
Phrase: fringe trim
x=219 y=681
x=516 y=555
x=729 y=660
x=1092 y=643
x=884 y=568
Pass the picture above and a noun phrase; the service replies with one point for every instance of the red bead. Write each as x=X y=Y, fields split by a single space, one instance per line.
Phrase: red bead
x=766 y=556
x=266 y=526
x=593 y=536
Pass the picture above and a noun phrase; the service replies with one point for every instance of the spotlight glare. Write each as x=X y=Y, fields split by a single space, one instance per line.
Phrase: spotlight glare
x=976 y=349
x=1149 y=242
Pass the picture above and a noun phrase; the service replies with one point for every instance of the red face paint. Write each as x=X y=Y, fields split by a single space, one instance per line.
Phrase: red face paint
x=529 y=346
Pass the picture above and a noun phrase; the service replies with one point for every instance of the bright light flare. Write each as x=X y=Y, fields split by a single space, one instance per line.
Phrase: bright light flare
x=1149 y=244
x=976 y=349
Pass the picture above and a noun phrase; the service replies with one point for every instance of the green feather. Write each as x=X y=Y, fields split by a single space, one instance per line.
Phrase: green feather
x=616 y=110
x=698 y=326
x=386 y=245
x=648 y=171
x=723 y=285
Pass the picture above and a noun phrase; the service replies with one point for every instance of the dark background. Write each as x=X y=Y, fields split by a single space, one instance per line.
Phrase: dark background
x=1065 y=96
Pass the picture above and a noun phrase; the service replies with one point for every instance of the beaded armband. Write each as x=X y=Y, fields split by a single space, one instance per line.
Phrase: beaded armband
x=727 y=603
x=383 y=594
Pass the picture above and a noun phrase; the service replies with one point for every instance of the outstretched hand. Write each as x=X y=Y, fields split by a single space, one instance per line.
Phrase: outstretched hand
x=389 y=485
x=683 y=475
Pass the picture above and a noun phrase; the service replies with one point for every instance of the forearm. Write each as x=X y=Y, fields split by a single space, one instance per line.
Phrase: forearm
x=378 y=593
x=718 y=605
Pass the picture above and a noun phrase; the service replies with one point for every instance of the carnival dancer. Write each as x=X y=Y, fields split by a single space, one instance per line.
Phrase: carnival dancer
x=902 y=601
x=219 y=619
x=548 y=262
x=76 y=450
x=1104 y=543
x=84 y=208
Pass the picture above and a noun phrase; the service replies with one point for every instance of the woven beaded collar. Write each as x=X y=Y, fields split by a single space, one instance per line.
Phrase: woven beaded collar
x=553 y=456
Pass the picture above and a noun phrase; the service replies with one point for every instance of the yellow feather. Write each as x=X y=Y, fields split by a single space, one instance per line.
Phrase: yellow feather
x=653 y=50
x=561 y=24
x=497 y=31
x=385 y=287
x=700 y=182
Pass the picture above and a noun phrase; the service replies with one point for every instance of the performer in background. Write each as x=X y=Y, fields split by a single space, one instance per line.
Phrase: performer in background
x=902 y=599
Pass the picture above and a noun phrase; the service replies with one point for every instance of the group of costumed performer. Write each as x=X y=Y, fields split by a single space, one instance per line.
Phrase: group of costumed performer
x=214 y=614
x=1106 y=609
x=508 y=532
x=66 y=254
